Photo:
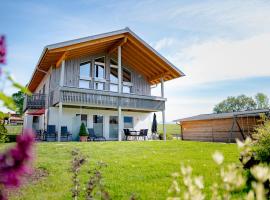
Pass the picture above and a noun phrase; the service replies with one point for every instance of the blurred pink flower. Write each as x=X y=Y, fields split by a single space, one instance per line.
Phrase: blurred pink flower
x=3 y=50
x=15 y=162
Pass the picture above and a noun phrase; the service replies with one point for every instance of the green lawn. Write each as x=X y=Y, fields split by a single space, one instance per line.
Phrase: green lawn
x=170 y=128
x=143 y=168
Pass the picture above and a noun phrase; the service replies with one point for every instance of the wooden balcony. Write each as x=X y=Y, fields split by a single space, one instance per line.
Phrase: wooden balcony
x=105 y=99
x=35 y=101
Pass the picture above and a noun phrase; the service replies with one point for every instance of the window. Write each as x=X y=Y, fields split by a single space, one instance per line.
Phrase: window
x=128 y=122
x=113 y=127
x=100 y=68
x=126 y=75
x=126 y=81
x=98 y=124
x=83 y=118
x=113 y=76
x=126 y=89
x=85 y=75
x=43 y=89
x=99 y=86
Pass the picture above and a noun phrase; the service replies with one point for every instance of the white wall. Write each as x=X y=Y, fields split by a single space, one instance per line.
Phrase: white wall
x=141 y=120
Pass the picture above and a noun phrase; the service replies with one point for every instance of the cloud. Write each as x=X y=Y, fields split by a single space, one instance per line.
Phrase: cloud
x=224 y=59
x=163 y=43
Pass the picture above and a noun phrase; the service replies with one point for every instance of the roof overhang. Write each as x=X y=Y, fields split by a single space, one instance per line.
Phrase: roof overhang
x=135 y=52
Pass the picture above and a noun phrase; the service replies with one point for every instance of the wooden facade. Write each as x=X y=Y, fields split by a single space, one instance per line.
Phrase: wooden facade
x=221 y=128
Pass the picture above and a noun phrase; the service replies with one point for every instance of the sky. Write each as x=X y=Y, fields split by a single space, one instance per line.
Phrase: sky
x=222 y=46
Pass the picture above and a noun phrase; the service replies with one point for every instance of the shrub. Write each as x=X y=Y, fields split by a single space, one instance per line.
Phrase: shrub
x=261 y=145
x=83 y=131
x=3 y=133
x=168 y=136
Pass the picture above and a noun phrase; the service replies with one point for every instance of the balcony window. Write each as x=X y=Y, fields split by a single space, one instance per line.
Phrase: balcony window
x=100 y=68
x=126 y=89
x=113 y=76
x=126 y=75
x=99 y=86
x=85 y=75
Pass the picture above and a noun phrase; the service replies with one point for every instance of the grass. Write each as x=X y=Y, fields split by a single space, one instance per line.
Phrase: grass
x=170 y=128
x=142 y=168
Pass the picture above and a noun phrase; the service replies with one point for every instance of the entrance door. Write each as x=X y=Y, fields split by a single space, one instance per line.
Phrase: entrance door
x=35 y=124
x=98 y=124
x=113 y=129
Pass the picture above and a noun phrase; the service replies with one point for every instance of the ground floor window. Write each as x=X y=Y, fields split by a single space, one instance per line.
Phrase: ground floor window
x=113 y=127
x=128 y=122
x=83 y=118
x=98 y=124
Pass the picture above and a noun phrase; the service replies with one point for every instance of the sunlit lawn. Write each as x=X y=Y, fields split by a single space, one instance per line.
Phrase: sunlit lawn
x=143 y=168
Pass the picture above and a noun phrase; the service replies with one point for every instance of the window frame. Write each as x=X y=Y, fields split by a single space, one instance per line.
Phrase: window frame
x=86 y=78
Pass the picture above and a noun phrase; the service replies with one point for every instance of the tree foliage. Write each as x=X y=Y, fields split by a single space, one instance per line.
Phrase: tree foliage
x=241 y=103
x=232 y=104
x=262 y=101
x=18 y=99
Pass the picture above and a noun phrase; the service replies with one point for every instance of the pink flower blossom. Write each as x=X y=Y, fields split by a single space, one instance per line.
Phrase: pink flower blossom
x=3 y=50
x=15 y=162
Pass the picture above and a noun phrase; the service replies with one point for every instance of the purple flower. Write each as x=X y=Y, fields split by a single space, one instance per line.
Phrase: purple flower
x=3 y=50
x=15 y=162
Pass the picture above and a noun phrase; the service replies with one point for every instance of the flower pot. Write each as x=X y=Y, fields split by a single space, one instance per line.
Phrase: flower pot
x=83 y=138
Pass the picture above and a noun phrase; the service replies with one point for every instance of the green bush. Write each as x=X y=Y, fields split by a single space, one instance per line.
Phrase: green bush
x=11 y=138
x=261 y=147
x=3 y=133
x=83 y=131
x=168 y=136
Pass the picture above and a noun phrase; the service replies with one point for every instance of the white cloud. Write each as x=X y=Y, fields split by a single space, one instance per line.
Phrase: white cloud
x=222 y=59
x=163 y=43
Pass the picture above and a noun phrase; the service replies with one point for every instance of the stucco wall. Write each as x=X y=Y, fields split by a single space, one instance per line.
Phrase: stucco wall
x=140 y=120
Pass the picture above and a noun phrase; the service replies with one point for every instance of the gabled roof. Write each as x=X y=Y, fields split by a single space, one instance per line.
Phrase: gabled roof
x=135 y=52
x=224 y=115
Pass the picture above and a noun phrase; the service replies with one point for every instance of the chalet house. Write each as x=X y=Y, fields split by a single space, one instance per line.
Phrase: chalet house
x=103 y=81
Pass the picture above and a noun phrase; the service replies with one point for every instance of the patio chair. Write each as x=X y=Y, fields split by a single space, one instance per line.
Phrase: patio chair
x=50 y=132
x=143 y=133
x=127 y=133
x=38 y=135
x=65 y=133
x=93 y=137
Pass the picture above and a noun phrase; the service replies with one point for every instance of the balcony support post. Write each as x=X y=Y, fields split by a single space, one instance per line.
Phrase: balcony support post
x=120 y=121
x=60 y=115
x=62 y=74
x=163 y=111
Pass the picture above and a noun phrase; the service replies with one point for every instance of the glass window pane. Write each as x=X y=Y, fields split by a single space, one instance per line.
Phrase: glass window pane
x=99 y=86
x=84 y=119
x=98 y=124
x=84 y=84
x=113 y=127
x=128 y=122
x=113 y=88
x=100 y=67
x=126 y=89
x=113 y=75
x=85 y=70
x=126 y=75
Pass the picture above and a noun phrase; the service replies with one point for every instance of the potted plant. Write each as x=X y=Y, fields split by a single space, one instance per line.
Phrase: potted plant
x=83 y=133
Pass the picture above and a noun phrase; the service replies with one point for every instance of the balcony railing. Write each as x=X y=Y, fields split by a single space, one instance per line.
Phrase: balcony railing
x=95 y=98
x=35 y=101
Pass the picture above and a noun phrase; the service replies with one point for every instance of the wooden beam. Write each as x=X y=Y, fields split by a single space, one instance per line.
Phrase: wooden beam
x=116 y=45
x=89 y=43
x=159 y=76
x=63 y=57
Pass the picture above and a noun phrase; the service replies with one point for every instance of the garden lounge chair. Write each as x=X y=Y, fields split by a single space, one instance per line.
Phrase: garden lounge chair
x=50 y=133
x=65 y=133
x=93 y=137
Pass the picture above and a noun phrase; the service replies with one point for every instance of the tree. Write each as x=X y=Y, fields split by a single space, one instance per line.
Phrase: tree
x=18 y=98
x=232 y=104
x=262 y=101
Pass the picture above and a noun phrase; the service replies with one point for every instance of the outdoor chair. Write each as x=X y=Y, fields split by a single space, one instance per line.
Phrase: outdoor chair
x=50 y=133
x=38 y=135
x=65 y=133
x=93 y=137
x=127 y=133
x=143 y=133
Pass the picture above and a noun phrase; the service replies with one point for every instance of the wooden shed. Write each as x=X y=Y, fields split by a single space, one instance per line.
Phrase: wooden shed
x=221 y=127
